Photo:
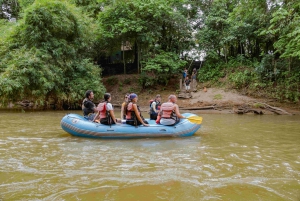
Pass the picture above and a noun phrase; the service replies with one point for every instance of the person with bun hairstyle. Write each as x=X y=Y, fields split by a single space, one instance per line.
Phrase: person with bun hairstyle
x=133 y=114
x=105 y=111
x=123 y=115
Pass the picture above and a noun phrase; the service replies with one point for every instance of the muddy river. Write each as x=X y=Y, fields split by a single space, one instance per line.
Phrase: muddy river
x=232 y=157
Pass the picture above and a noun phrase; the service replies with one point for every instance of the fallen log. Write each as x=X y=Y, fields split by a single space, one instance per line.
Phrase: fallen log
x=254 y=111
x=276 y=110
x=247 y=110
x=198 y=108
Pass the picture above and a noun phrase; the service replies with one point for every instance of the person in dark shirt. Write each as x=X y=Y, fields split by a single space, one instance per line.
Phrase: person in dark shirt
x=187 y=84
x=88 y=107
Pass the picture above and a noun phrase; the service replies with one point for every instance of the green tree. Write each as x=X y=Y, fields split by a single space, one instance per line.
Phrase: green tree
x=146 y=25
x=48 y=55
x=285 y=24
x=161 y=67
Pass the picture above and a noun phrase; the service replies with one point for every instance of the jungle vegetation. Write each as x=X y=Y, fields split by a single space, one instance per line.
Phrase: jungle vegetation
x=48 y=47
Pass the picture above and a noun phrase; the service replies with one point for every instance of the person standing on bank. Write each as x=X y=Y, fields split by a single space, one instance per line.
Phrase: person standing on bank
x=155 y=107
x=88 y=107
x=133 y=113
x=106 y=111
x=187 y=82
x=184 y=74
x=169 y=114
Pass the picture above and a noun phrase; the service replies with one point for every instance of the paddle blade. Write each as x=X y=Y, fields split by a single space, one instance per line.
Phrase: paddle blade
x=195 y=119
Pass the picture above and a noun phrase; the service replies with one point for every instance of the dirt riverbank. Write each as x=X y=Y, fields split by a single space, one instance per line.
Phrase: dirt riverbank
x=211 y=100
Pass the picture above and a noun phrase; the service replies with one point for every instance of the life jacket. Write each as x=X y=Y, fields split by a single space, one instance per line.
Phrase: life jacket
x=130 y=112
x=102 y=109
x=86 y=110
x=167 y=110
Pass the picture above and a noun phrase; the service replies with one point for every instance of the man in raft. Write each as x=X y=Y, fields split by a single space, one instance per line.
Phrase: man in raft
x=88 y=107
x=169 y=114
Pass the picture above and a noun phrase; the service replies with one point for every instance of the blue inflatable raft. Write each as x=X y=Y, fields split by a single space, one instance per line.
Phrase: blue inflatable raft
x=78 y=126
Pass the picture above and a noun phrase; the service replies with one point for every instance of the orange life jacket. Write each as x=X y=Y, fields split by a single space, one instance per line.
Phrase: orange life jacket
x=167 y=110
x=102 y=109
x=130 y=114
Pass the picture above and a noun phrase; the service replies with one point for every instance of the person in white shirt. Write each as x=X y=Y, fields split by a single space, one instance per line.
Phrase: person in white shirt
x=106 y=112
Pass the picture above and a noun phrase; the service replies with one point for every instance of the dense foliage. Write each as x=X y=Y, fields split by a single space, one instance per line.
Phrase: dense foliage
x=50 y=50
x=253 y=43
x=46 y=55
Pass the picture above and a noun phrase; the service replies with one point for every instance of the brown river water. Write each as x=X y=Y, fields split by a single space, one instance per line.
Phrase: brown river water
x=232 y=157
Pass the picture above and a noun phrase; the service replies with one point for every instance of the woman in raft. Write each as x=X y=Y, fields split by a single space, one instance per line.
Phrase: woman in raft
x=123 y=115
x=105 y=113
x=133 y=113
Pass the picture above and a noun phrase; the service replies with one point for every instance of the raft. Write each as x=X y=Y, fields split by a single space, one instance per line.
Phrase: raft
x=77 y=125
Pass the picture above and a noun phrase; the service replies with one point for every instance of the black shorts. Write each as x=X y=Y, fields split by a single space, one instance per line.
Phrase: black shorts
x=131 y=122
x=153 y=116
x=106 y=122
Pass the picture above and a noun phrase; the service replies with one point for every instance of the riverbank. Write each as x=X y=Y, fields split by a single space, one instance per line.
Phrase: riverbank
x=210 y=100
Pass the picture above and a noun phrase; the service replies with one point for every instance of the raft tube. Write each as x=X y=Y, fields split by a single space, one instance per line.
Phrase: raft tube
x=77 y=125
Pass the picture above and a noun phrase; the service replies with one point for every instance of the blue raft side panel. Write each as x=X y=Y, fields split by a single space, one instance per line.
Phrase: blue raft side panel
x=77 y=125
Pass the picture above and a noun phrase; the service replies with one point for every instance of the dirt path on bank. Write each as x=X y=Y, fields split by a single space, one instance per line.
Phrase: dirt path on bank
x=221 y=100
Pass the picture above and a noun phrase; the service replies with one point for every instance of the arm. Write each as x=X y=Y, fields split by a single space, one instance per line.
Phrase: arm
x=112 y=114
x=138 y=114
x=154 y=107
x=122 y=111
x=158 y=117
x=177 y=112
x=110 y=109
x=96 y=117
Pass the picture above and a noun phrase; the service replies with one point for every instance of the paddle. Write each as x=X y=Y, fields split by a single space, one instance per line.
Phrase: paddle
x=195 y=119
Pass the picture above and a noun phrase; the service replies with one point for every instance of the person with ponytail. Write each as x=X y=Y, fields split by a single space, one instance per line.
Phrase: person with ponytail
x=123 y=115
x=132 y=111
x=106 y=112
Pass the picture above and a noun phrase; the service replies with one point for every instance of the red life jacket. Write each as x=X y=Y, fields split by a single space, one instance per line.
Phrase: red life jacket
x=102 y=109
x=167 y=110
x=130 y=114
x=129 y=111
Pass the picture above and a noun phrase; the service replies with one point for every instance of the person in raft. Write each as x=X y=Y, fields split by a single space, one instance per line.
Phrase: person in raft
x=88 y=107
x=133 y=114
x=123 y=115
x=169 y=112
x=155 y=107
x=105 y=113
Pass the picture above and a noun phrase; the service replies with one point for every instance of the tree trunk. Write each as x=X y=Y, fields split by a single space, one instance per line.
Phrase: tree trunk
x=136 y=57
x=124 y=60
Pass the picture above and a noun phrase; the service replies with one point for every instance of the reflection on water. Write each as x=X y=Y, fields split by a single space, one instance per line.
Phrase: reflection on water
x=231 y=157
